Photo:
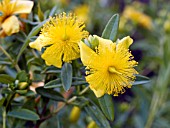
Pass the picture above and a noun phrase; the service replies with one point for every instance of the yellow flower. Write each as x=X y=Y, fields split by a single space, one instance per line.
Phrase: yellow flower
x=9 y=23
x=138 y=17
x=110 y=68
x=82 y=12
x=62 y=34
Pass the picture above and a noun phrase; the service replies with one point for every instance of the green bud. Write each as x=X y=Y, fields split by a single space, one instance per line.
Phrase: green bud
x=75 y=114
x=92 y=124
x=94 y=42
x=22 y=85
x=11 y=86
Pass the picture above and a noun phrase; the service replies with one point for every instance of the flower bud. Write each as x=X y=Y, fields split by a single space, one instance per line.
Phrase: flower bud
x=94 y=42
x=75 y=114
x=22 y=85
x=92 y=124
x=167 y=26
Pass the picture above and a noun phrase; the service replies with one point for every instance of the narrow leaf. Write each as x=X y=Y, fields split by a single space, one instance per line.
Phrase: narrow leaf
x=106 y=104
x=66 y=76
x=53 y=11
x=5 y=63
x=141 y=80
x=33 y=32
x=50 y=93
x=59 y=125
x=6 y=79
x=79 y=83
x=111 y=29
x=40 y=13
x=97 y=115
x=23 y=114
x=53 y=84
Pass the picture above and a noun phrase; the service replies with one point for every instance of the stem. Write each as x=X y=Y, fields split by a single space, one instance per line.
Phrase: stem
x=84 y=90
x=17 y=68
x=154 y=106
x=10 y=58
x=5 y=52
x=4 y=118
x=59 y=108
x=34 y=53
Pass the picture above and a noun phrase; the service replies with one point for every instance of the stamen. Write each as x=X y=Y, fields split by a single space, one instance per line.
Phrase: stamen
x=113 y=70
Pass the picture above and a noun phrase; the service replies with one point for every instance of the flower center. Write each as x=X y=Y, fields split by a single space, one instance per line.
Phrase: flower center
x=65 y=37
x=113 y=70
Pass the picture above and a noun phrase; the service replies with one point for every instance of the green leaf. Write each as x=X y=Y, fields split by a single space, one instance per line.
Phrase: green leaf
x=141 y=80
x=40 y=13
x=35 y=61
x=21 y=92
x=97 y=115
x=111 y=29
x=66 y=76
x=22 y=76
x=2 y=101
x=80 y=101
x=78 y=81
x=30 y=93
x=51 y=71
x=6 y=91
x=53 y=84
x=59 y=125
x=50 y=93
x=53 y=11
x=33 y=32
x=23 y=114
x=106 y=104
x=6 y=79
x=5 y=63
x=28 y=21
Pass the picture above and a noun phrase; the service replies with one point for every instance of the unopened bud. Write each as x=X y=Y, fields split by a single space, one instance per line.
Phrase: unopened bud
x=22 y=85
x=92 y=124
x=75 y=114
x=94 y=42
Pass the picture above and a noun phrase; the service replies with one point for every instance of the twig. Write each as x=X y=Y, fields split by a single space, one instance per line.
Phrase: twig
x=59 y=108
x=84 y=90
x=10 y=58
x=4 y=118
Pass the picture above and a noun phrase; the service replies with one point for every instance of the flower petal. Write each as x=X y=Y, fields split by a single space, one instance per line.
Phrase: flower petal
x=11 y=25
x=88 y=56
x=23 y=6
x=125 y=43
x=53 y=55
x=106 y=49
x=98 y=93
x=40 y=42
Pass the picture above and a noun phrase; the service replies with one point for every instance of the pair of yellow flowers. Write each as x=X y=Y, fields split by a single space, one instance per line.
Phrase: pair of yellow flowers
x=110 y=66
